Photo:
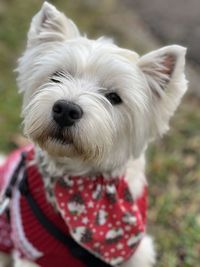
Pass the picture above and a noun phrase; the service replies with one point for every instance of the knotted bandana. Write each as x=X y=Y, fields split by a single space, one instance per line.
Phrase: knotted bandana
x=101 y=215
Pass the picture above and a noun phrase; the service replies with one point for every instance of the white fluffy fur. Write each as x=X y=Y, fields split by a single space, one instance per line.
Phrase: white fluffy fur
x=144 y=256
x=135 y=175
x=108 y=139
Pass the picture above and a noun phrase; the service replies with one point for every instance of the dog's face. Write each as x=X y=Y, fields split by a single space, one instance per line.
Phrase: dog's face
x=91 y=100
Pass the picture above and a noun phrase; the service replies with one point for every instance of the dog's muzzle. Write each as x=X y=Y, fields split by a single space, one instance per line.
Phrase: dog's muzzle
x=66 y=113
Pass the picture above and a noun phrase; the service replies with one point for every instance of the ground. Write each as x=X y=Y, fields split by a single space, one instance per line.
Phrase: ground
x=173 y=162
x=174 y=182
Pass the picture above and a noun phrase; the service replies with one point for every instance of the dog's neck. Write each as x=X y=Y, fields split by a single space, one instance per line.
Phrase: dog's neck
x=57 y=167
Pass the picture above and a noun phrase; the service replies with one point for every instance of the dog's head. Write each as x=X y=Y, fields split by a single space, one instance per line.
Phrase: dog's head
x=91 y=100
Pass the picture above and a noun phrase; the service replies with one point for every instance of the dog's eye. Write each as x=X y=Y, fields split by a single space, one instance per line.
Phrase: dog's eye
x=114 y=98
x=55 y=80
x=56 y=76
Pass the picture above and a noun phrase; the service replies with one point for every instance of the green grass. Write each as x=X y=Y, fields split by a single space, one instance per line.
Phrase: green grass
x=173 y=162
x=174 y=173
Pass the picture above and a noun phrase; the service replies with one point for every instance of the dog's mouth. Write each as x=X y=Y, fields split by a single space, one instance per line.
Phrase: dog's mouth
x=60 y=140
x=62 y=137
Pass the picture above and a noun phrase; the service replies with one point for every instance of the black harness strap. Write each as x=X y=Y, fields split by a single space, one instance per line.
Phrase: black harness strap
x=13 y=180
x=76 y=250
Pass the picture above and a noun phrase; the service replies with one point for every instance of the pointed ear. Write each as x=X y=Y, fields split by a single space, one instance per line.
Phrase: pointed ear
x=161 y=66
x=50 y=25
x=163 y=70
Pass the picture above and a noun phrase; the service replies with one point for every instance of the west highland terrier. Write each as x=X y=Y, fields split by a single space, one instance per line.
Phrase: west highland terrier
x=77 y=196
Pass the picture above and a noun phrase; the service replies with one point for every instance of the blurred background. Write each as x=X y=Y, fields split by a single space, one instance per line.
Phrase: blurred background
x=173 y=162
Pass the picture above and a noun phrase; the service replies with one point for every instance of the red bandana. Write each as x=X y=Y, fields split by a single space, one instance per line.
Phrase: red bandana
x=101 y=215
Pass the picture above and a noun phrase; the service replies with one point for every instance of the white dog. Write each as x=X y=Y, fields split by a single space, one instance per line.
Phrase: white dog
x=90 y=109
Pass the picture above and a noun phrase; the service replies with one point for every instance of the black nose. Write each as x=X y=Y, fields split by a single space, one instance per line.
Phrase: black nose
x=66 y=113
